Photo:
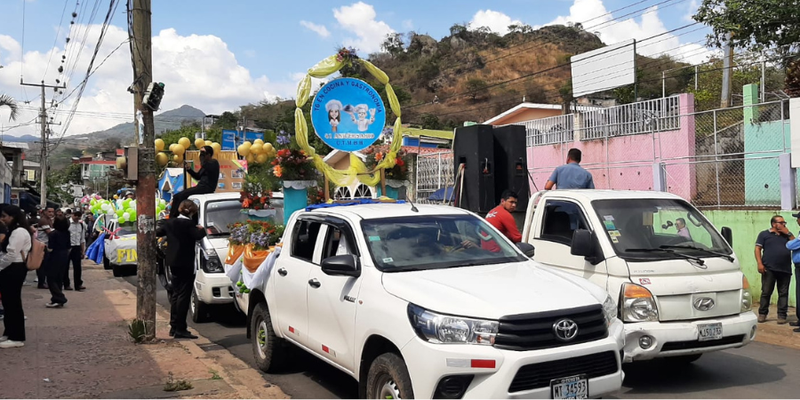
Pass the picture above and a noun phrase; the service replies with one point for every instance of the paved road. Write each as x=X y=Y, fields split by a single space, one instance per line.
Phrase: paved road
x=756 y=371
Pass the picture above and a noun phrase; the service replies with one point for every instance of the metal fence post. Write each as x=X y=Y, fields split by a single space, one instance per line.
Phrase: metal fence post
x=439 y=184
x=716 y=159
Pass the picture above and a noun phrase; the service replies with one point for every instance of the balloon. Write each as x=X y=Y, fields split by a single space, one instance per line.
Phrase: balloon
x=126 y=216
x=130 y=211
x=243 y=150
x=261 y=158
x=122 y=219
x=208 y=143
x=179 y=150
x=217 y=147
x=93 y=202
x=116 y=196
x=172 y=147
x=256 y=149
x=185 y=142
x=199 y=143
x=133 y=217
x=258 y=141
x=119 y=213
x=268 y=148
x=177 y=159
x=248 y=144
x=159 y=145
x=105 y=207
x=161 y=160
x=250 y=158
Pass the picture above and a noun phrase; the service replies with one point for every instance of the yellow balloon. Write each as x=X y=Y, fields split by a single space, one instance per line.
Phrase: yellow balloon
x=243 y=150
x=159 y=145
x=256 y=149
x=261 y=158
x=185 y=142
x=250 y=158
x=217 y=147
x=172 y=147
x=248 y=144
x=199 y=143
x=258 y=141
x=177 y=159
x=268 y=148
x=179 y=150
x=207 y=143
x=162 y=159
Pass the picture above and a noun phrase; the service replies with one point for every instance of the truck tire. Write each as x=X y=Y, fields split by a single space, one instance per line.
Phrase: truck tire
x=198 y=309
x=687 y=359
x=106 y=263
x=269 y=350
x=388 y=378
x=118 y=270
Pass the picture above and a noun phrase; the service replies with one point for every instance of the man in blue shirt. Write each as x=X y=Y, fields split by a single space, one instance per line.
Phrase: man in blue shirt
x=794 y=246
x=571 y=175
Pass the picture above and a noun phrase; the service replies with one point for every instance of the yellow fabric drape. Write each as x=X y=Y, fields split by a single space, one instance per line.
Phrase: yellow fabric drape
x=357 y=170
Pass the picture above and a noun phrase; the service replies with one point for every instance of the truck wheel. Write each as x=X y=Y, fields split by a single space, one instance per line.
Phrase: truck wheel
x=268 y=349
x=118 y=270
x=106 y=263
x=388 y=378
x=688 y=359
x=198 y=309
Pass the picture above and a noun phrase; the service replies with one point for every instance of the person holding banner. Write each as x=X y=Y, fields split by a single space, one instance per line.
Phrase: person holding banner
x=207 y=179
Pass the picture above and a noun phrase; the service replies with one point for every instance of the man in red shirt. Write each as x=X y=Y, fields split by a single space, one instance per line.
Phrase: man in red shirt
x=500 y=217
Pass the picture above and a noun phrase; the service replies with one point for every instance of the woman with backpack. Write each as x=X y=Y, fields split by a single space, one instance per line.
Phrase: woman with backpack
x=15 y=248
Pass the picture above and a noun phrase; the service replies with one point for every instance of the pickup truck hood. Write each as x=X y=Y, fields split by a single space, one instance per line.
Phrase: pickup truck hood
x=492 y=291
x=220 y=244
x=670 y=277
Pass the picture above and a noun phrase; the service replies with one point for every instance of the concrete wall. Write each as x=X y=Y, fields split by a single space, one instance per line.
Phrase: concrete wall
x=763 y=143
x=746 y=224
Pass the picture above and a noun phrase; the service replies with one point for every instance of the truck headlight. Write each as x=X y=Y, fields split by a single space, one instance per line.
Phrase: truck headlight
x=210 y=262
x=610 y=310
x=440 y=328
x=747 y=296
x=638 y=304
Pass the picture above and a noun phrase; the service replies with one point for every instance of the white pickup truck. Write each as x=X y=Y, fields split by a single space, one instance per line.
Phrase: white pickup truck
x=406 y=300
x=676 y=280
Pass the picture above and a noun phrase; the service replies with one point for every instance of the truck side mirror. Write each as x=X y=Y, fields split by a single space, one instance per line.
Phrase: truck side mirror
x=584 y=243
x=344 y=265
x=727 y=234
x=527 y=249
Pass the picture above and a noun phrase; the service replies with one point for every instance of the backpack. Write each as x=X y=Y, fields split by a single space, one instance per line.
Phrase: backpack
x=36 y=255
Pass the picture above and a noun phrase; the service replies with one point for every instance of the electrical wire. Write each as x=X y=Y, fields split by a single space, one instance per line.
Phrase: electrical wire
x=58 y=33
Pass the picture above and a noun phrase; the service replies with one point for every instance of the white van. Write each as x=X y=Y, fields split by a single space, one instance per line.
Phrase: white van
x=677 y=282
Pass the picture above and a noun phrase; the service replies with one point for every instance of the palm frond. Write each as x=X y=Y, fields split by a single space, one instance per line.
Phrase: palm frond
x=8 y=101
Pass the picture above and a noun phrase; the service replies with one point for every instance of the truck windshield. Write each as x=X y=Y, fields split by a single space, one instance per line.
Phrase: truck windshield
x=220 y=214
x=430 y=242
x=659 y=229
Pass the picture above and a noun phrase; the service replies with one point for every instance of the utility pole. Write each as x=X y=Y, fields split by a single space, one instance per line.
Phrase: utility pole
x=145 y=187
x=43 y=153
x=727 y=74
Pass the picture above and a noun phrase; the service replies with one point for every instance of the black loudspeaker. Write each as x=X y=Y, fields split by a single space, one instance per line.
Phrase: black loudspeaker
x=473 y=146
x=511 y=164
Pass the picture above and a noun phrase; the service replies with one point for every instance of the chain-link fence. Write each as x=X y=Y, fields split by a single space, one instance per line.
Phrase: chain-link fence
x=434 y=178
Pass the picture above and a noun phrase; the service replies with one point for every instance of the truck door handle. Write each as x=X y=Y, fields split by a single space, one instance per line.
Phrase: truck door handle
x=314 y=283
x=282 y=271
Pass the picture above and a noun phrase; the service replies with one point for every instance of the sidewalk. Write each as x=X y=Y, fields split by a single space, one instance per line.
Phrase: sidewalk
x=83 y=351
x=779 y=335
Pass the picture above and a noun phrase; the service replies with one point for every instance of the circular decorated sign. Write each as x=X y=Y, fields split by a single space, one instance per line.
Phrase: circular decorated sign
x=348 y=114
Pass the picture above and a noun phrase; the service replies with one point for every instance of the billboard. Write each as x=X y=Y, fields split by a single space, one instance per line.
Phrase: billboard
x=231 y=138
x=603 y=69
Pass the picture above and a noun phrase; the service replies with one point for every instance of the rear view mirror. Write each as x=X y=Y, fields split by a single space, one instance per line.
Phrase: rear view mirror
x=527 y=249
x=727 y=234
x=344 y=265
x=584 y=243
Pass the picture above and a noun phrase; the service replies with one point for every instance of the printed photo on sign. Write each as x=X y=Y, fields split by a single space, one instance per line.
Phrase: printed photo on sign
x=238 y=174
x=348 y=114
x=236 y=185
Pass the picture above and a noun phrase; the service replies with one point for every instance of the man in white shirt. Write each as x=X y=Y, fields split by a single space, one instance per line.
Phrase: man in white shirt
x=77 y=238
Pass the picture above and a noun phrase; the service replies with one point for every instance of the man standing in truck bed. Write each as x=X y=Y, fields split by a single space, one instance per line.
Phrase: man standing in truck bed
x=207 y=179
x=571 y=175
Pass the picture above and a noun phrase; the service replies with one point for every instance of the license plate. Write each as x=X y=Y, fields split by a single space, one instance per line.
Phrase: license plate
x=574 y=387
x=709 y=331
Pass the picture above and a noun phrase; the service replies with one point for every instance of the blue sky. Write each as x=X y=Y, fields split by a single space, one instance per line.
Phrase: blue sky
x=220 y=55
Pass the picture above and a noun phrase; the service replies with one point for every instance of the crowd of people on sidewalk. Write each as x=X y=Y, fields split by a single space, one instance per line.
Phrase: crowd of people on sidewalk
x=62 y=238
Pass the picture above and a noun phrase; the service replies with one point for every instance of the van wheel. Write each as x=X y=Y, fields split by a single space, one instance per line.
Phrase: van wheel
x=106 y=263
x=688 y=359
x=268 y=349
x=118 y=270
x=198 y=309
x=388 y=378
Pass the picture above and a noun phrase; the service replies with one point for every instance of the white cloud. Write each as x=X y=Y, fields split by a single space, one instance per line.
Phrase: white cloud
x=494 y=20
x=408 y=25
x=620 y=30
x=319 y=29
x=359 y=18
x=198 y=70
x=250 y=53
x=691 y=11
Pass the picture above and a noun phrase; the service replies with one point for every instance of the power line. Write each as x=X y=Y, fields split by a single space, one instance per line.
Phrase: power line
x=58 y=33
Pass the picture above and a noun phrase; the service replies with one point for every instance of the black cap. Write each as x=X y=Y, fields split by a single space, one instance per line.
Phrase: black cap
x=796 y=215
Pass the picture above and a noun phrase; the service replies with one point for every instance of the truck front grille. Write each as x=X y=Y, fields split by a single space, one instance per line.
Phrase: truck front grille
x=535 y=376
x=536 y=331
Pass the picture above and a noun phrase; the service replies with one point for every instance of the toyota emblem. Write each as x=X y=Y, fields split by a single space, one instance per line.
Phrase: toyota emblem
x=565 y=329
x=704 y=303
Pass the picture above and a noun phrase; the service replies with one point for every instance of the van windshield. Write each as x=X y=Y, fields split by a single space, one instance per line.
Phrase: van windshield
x=658 y=229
